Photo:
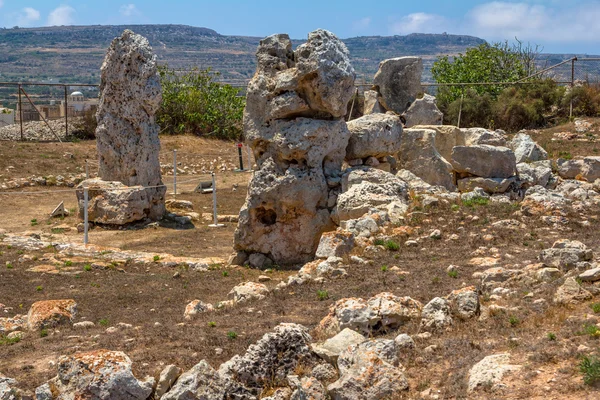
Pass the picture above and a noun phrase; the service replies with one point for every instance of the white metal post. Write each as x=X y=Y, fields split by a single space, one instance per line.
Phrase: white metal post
x=175 y=172
x=85 y=216
x=215 y=218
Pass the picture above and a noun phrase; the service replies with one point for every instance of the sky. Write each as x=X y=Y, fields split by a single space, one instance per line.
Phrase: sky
x=559 y=26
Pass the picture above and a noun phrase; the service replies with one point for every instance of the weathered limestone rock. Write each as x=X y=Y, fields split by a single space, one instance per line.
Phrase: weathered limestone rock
x=394 y=311
x=419 y=155
x=399 y=82
x=591 y=169
x=167 y=377
x=489 y=372
x=365 y=188
x=332 y=347
x=464 y=303
x=127 y=133
x=436 y=315
x=479 y=136
x=335 y=244
x=113 y=203
x=423 y=111
x=535 y=173
x=526 y=150
x=293 y=122
x=569 y=169
x=99 y=374
x=372 y=104
x=571 y=293
x=566 y=254
x=203 y=382
x=369 y=370
x=490 y=185
x=272 y=358
x=446 y=137
x=50 y=313
x=196 y=307
x=7 y=388
x=590 y=275
x=374 y=135
x=12 y=324
x=484 y=160
x=248 y=291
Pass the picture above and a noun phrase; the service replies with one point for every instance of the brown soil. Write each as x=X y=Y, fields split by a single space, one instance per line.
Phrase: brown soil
x=146 y=295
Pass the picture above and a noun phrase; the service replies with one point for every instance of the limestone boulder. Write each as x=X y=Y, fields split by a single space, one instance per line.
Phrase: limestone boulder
x=394 y=311
x=399 y=82
x=490 y=371
x=566 y=254
x=51 y=313
x=446 y=137
x=248 y=291
x=423 y=111
x=367 y=373
x=293 y=123
x=569 y=169
x=479 y=136
x=335 y=244
x=484 y=161
x=418 y=154
x=490 y=185
x=12 y=324
x=464 y=303
x=127 y=133
x=195 y=308
x=372 y=103
x=8 y=389
x=590 y=170
x=99 y=374
x=113 y=203
x=203 y=382
x=307 y=388
x=330 y=349
x=374 y=135
x=272 y=358
x=436 y=315
x=526 y=149
x=166 y=379
x=535 y=173
x=571 y=292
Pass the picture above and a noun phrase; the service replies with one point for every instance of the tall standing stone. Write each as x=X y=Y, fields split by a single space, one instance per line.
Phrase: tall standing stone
x=127 y=132
x=294 y=123
x=399 y=82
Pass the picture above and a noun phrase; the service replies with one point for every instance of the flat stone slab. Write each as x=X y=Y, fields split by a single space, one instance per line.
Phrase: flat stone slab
x=591 y=275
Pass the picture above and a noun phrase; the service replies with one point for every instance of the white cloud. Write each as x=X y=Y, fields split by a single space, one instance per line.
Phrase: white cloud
x=129 y=10
x=27 y=16
x=419 y=23
x=502 y=20
x=361 y=24
x=62 y=15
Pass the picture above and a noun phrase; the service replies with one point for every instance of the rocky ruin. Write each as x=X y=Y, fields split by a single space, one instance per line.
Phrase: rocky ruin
x=294 y=123
x=127 y=135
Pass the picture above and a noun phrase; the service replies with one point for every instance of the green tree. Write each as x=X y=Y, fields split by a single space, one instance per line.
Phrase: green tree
x=499 y=62
x=194 y=103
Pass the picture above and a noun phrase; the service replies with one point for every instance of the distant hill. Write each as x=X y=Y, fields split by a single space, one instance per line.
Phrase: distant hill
x=75 y=53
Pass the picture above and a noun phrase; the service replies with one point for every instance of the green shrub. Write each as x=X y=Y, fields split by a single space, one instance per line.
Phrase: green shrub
x=514 y=321
x=477 y=200
x=232 y=335
x=8 y=341
x=322 y=295
x=551 y=336
x=44 y=333
x=595 y=307
x=391 y=245
x=590 y=368
x=87 y=267
x=194 y=103
x=212 y=324
x=103 y=322
x=453 y=274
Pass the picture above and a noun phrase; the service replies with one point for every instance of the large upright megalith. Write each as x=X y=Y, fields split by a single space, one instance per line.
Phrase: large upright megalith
x=127 y=132
x=294 y=123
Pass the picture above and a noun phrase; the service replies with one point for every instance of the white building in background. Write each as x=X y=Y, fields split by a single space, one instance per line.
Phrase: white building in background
x=77 y=106
x=7 y=116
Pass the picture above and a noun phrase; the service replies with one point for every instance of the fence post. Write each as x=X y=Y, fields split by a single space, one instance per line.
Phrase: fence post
x=20 y=112
x=85 y=215
x=240 y=156
x=175 y=172
x=215 y=218
x=460 y=109
x=572 y=86
x=66 y=113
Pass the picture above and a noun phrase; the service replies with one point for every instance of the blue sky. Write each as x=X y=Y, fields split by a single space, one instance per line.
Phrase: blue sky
x=559 y=26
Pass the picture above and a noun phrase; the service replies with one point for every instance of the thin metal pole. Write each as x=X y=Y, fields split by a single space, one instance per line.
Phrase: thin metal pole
x=85 y=216
x=20 y=113
x=41 y=116
x=572 y=86
x=87 y=173
x=352 y=106
x=66 y=113
x=175 y=172
x=240 y=156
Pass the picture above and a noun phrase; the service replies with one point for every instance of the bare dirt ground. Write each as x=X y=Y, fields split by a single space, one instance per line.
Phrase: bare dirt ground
x=152 y=299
